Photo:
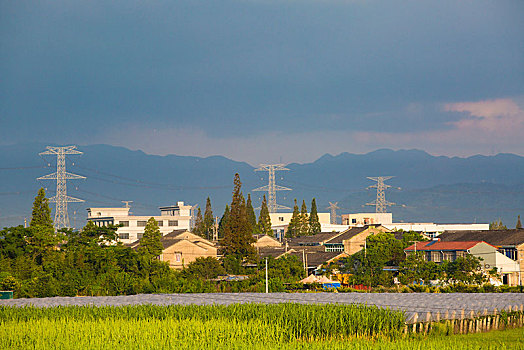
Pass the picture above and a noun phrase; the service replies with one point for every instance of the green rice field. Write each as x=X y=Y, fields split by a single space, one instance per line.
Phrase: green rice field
x=239 y=326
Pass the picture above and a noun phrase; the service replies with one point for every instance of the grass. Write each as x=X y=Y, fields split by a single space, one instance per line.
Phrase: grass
x=225 y=327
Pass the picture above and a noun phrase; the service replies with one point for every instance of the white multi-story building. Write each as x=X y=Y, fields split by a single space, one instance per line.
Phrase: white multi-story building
x=174 y=217
x=361 y=219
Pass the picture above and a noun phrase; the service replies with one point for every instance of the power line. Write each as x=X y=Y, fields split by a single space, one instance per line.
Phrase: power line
x=146 y=184
x=61 y=176
x=24 y=167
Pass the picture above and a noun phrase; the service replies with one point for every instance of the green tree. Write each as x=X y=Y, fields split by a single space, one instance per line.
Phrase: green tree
x=304 y=220
x=264 y=220
x=223 y=222
x=204 y=268
x=150 y=244
x=519 y=224
x=415 y=269
x=209 y=220
x=314 y=222
x=251 y=215
x=199 y=229
x=465 y=269
x=497 y=225
x=238 y=237
x=41 y=215
x=293 y=228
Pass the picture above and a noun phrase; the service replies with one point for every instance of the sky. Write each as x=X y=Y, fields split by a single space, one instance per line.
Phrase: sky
x=265 y=81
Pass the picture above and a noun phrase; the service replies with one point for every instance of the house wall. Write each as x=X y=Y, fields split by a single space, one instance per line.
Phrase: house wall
x=131 y=232
x=187 y=253
x=520 y=260
x=360 y=219
x=356 y=243
x=279 y=219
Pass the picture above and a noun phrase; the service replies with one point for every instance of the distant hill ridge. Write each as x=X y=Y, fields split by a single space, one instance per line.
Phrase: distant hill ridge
x=443 y=184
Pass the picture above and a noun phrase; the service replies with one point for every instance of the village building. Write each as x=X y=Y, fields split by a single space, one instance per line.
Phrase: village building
x=175 y=217
x=508 y=242
x=440 y=251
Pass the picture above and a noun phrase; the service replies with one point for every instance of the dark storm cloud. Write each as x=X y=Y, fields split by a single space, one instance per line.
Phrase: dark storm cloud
x=237 y=67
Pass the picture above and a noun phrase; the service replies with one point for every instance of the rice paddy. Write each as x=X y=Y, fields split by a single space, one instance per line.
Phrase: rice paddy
x=237 y=326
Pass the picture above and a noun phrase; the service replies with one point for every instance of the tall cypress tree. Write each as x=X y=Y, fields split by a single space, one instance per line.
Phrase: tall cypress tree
x=150 y=244
x=304 y=220
x=519 y=224
x=41 y=215
x=264 y=220
x=251 y=215
x=209 y=221
x=223 y=222
x=293 y=228
x=237 y=233
x=43 y=238
x=199 y=224
x=314 y=222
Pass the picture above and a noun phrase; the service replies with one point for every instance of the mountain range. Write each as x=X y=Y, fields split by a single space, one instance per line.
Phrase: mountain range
x=426 y=188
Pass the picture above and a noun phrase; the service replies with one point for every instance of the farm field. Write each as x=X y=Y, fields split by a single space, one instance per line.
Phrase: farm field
x=409 y=303
x=280 y=326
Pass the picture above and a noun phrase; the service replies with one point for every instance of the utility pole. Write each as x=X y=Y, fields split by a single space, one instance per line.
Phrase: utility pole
x=271 y=187
x=61 y=176
x=380 y=203
x=215 y=229
x=267 y=281
x=333 y=207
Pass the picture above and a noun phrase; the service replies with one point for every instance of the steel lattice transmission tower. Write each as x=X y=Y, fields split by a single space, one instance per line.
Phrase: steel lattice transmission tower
x=333 y=207
x=380 y=203
x=272 y=188
x=61 y=176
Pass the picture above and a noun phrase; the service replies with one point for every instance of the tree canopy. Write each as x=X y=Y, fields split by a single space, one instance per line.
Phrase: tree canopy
x=209 y=220
x=41 y=214
x=237 y=231
x=264 y=220
x=314 y=222
x=150 y=244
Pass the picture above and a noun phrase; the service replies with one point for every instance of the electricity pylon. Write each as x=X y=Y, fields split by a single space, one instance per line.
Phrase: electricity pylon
x=272 y=188
x=380 y=203
x=333 y=207
x=61 y=176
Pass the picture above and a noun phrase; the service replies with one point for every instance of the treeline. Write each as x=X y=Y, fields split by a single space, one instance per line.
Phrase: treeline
x=383 y=262
x=38 y=262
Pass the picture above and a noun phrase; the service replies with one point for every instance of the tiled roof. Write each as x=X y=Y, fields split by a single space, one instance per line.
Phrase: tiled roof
x=494 y=237
x=352 y=232
x=349 y=233
x=439 y=245
x=315 y=255
x=318 y=238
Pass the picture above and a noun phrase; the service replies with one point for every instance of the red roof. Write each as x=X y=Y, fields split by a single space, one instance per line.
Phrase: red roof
x=439 y=245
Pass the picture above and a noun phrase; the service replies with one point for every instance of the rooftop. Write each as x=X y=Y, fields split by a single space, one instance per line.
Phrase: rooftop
x=439 y=245
x=494 y=237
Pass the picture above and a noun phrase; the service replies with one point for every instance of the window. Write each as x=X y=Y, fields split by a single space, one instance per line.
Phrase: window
x=141 y=223
x=124 y=223
x=436 y=257
x=160 y=222
x=449 y=256
x=509 y=252
x=178 y=257
x=461 y=253
x=353 y=221
x=280 y=218
x=123 y=235
x=173 y=223
x=139 y=235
